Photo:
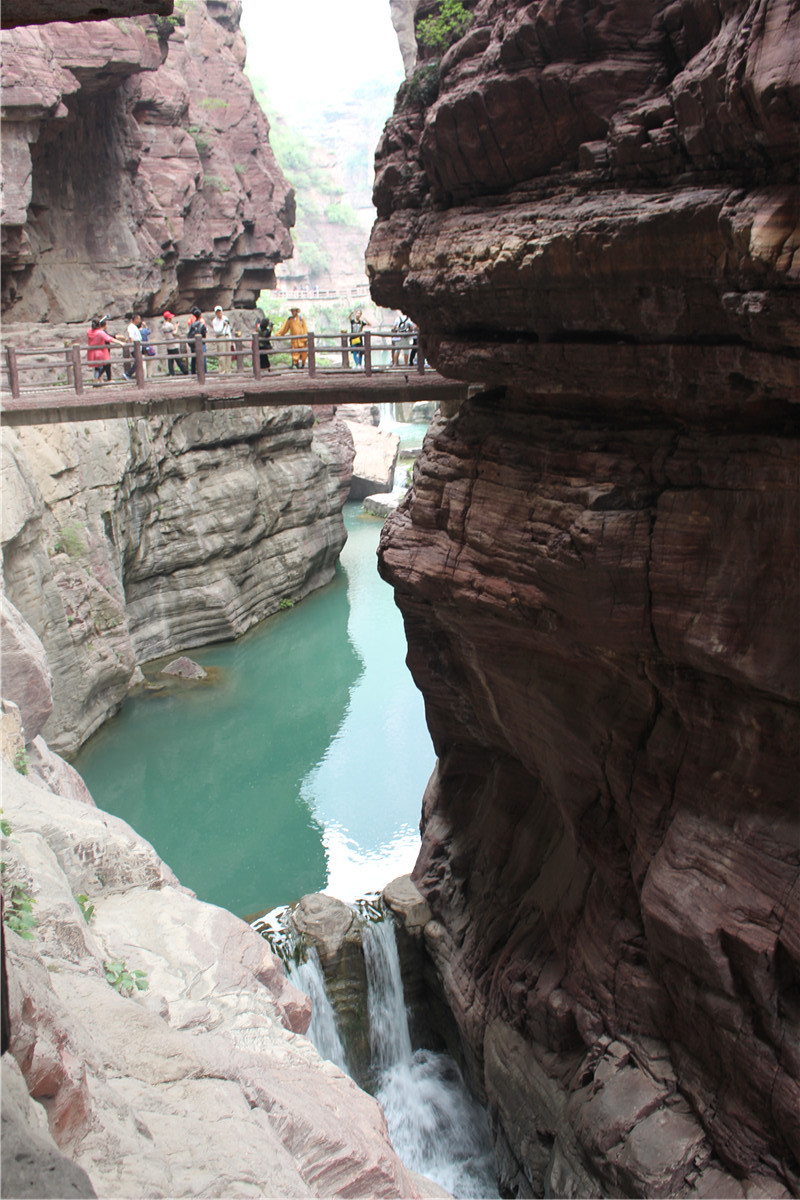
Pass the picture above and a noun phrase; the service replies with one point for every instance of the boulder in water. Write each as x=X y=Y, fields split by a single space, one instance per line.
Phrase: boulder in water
x=186 y=668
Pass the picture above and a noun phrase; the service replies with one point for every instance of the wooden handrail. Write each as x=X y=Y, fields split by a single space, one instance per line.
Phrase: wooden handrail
x=321 y=349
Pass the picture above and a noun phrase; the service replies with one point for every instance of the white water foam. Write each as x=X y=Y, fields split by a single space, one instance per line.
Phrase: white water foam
x=436 y=1126
x=323 y=1030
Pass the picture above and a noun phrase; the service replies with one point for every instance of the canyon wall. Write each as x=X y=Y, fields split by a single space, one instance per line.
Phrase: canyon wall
x=138 y=172
x=125 y=541
x=592 y=209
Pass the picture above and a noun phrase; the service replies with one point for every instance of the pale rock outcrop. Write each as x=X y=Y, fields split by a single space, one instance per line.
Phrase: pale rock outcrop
x=126 y=542
x=331 y=927
x=375 y=460
x=207 y=1056
x=26 y=678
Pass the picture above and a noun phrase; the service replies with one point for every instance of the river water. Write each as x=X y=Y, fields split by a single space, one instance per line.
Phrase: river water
x=298 y=767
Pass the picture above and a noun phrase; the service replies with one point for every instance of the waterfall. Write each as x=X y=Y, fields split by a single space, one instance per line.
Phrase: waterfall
x=436 y=1126
x=389 y=1037
x=323 y=1030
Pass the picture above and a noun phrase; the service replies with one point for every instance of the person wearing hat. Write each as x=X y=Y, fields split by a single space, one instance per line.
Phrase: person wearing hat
x=197 y=329
x=171 y=332
x=296 y=326
x=222 y=328
x=99 y=340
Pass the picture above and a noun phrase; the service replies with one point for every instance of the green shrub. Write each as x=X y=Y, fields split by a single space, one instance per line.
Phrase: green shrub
x=123 y=980
x=71 y=540
x=21 y=761
x=441 y=31
x=18 y=911
x=86 y=906
x=423 y=86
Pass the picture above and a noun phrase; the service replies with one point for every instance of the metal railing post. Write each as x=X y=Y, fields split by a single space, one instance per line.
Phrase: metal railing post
x=256 y=356
x=345 y=359
x=68 y=356
x=420 y=356
x=312 y=355
x=76 y=368
x=13 y=372
x=138 y=364
x=367 y=352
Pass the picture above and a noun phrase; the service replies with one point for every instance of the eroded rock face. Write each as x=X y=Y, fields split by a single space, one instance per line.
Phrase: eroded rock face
x=598 y=217
x=124 y=543
x=138 y=173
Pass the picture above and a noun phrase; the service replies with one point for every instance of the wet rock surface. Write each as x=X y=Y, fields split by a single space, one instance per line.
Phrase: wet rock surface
x=594 y=213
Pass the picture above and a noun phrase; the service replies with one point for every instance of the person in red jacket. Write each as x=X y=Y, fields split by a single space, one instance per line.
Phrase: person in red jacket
x=99 y=340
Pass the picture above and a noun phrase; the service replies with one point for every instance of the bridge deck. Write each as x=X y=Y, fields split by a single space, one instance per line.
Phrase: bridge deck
x=184 y=394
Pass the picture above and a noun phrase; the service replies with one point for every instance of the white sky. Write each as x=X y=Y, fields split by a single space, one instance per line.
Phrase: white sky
x=315 y=53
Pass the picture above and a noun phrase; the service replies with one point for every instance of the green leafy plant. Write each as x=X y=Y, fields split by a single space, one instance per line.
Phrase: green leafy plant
x=71 y=540
x=341 y=213
x=441 y=31
x=201 y=140
x=18 y=912
x=423 y=86
x=21 y=761
x=123 y=980
x=216 y=182
x=5 y=827
x=213 y=102
x=286 y=603
x=86 y=906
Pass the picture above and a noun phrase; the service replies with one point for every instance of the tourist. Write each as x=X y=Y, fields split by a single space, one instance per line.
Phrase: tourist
x=264 y=329
x=402 y=325
x=222 y=329
x=412 y=358
x=296 y=326
x=357 y=323
x=99 y=340
x=197 y=329
x=134 y=333
x=171 y=332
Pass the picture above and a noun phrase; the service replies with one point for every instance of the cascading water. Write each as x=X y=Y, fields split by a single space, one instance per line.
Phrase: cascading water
x=436 y=1126
x=323 y=1031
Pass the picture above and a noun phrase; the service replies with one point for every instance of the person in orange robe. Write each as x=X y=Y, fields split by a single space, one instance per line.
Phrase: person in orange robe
x=295 y=325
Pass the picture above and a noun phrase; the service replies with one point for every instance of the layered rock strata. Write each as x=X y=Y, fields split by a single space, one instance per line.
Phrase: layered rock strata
x=593 y=209
x=138 y=173
x=123 y=542
x=110 y=1089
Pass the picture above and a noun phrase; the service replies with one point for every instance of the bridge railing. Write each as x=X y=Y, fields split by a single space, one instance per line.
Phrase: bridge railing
x=69 y=366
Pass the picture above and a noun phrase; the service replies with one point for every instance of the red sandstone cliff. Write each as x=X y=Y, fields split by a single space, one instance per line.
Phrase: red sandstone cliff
x=597 y=216
x=138 y=173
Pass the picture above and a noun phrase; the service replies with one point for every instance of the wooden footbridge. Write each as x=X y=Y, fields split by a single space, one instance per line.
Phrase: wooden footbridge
x=46 y=386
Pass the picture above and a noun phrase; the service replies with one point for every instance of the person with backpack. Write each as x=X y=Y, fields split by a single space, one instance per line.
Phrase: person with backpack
x=357 y=323
x=264 y=331
x=402 y=325
x=196 y=329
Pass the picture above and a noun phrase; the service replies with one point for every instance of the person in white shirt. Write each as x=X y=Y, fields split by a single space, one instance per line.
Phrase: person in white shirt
x=134 y=332
x=223 y=332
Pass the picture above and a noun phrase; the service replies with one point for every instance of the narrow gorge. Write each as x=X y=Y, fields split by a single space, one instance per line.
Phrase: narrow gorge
x=591 y=210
